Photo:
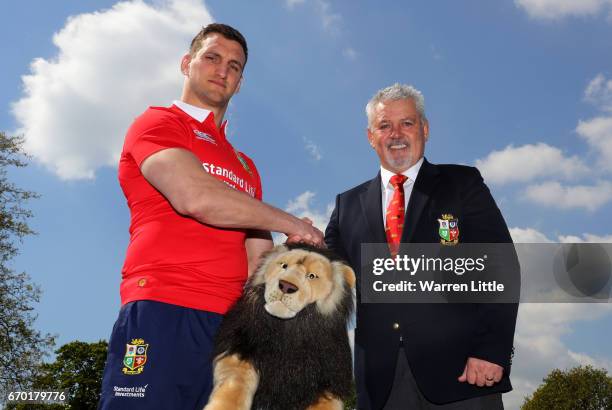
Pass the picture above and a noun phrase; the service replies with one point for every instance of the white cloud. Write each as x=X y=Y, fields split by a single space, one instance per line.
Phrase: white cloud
x=301 y=206
x=329 y=19
x=539 y=347
x=555 y=195
x=528 y=235
x=110 y=66
x=586 y=237
x=542 y=161
x=598 y=134
x=313 y=149
x=558 y=9
x=528 y=162
x=292 y=3
x=531 y=235
x=350 y=53
x=599 y=92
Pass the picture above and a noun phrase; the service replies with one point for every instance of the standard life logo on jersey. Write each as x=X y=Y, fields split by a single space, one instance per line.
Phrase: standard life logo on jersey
x=230 y=178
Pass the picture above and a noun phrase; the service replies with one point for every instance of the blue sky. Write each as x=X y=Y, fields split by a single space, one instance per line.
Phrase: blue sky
x=522 y=89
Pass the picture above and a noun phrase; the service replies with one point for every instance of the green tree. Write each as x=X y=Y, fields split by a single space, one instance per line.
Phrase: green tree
x=77 y=370
x=351 y=402
x=22 y=348
x=583 y=388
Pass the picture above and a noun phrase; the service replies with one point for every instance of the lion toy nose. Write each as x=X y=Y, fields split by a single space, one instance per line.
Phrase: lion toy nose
x=287 y=287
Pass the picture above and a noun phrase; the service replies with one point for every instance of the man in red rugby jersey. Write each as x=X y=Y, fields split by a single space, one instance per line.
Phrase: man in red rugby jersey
x=198 y=227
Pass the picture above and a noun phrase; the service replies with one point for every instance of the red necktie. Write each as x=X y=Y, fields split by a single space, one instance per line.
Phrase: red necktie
x=395 y=214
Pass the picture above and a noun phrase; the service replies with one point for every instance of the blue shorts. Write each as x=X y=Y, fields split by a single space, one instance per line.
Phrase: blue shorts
x=159 y=357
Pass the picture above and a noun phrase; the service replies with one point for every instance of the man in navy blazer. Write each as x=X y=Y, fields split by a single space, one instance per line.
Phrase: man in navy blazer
x=423 y=356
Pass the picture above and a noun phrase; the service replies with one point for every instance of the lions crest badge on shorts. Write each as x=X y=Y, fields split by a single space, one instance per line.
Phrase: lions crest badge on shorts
x=135 y=357
x=449 y=229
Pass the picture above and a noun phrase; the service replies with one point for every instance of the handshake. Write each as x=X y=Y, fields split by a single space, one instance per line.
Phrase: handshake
x=306 y=232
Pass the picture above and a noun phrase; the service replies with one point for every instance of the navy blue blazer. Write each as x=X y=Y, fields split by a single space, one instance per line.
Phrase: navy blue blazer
x=437 y=338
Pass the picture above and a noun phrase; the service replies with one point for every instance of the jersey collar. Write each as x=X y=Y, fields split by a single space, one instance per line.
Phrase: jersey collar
x=197 y=113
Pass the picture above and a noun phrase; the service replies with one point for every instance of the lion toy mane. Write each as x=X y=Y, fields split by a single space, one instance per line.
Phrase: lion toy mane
x=284 y=344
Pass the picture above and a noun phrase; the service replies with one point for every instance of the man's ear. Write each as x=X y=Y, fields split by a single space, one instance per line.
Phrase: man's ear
x=185 y=61
x=370 y=137
x=426 y=129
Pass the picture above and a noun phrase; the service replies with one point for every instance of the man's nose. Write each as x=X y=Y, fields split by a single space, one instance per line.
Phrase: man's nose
x=222 y=70
x=395 y=132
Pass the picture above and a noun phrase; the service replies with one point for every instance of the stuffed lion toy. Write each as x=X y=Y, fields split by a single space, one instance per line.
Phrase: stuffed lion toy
x=284 y=344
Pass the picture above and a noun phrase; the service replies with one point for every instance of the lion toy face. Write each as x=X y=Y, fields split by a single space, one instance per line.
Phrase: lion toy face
x=296 y=278
x=284 y=344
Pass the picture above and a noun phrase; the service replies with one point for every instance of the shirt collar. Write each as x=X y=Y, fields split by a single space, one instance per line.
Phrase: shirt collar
x=411 y=173
x=197 y=113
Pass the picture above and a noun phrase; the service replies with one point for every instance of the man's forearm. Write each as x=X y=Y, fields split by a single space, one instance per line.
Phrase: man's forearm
x=219 y=205
x=191 y=191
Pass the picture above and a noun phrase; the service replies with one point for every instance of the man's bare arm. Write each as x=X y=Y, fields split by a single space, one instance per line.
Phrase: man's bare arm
x=257 y=242
x=180 y=177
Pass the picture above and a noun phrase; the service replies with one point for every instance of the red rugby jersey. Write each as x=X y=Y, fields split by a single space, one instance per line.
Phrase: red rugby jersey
x=173 y=258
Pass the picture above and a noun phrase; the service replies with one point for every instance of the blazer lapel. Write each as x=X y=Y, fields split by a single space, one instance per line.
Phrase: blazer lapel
x=423 y=186
x=371 y=204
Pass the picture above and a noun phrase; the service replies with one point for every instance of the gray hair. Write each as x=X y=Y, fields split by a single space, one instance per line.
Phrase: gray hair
x=395 y=92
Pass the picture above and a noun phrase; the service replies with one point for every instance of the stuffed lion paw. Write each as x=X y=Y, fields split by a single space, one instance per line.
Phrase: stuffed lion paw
x=284 y=344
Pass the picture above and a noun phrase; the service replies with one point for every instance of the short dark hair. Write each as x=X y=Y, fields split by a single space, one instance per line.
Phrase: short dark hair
x=226 y=31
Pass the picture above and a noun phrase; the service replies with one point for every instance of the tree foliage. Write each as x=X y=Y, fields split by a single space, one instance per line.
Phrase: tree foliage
x=21 y=346
x=77 y=370
x=351 y=403
x=583 y=388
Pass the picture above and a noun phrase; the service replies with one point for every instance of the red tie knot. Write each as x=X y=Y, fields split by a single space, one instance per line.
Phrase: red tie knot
x=398 y=180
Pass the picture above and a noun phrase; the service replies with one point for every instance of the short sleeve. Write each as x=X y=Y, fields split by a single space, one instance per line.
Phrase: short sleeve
x=259 y=194
x=153 y=131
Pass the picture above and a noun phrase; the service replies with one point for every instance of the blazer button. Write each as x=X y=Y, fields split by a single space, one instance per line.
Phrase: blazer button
x=396 y=326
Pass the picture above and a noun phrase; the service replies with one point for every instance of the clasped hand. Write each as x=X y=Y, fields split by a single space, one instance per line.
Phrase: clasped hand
x=481 y=372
